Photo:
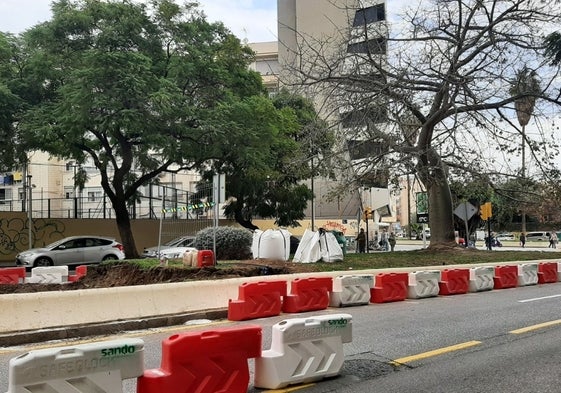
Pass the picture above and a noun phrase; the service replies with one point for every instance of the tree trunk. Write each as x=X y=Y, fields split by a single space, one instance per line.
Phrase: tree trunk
x=433 y=174
x=441 y=214
x=124 y=226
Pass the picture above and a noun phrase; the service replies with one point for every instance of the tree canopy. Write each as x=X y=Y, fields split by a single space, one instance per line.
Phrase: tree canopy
x=431 y=84
x=135 y=88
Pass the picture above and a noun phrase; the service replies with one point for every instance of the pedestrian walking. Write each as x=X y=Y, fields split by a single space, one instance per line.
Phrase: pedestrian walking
x=361 y=241
x=522 y=239
x=392 y=241
x=552 y=238
x=384 y=240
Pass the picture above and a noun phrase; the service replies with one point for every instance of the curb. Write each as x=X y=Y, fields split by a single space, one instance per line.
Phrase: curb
x=100 y=329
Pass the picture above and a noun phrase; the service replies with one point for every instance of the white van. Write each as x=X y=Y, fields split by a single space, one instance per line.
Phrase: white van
x=537 y=236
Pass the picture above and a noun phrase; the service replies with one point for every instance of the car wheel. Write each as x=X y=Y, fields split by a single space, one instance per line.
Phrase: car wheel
x=43 y=261
x=110 y=258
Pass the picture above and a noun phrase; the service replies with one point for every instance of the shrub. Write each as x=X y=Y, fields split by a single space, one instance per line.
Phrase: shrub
x=231 y=243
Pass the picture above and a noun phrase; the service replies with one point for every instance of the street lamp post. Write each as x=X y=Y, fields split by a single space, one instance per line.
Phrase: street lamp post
x=29 y=210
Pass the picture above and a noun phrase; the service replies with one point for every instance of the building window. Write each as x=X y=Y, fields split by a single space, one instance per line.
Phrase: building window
x=363 y=117
x=376 y=46
x=369 y=15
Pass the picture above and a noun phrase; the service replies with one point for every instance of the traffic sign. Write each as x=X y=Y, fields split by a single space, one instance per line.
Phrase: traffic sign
x=465 y=211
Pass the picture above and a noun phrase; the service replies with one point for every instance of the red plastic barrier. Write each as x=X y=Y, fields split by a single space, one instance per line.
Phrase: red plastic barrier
x=505 y=277
x=257 y=300
x=389 y=287
x=308 y=294
x=12 y=275
x=80 y=272
x=454 y=281
x=204 y=362
x=547 y=272
x=205 y=258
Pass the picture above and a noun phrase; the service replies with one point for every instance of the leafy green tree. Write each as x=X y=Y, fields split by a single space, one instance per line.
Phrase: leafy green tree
x=11 y=105
x=267 y=157
x=133 y=88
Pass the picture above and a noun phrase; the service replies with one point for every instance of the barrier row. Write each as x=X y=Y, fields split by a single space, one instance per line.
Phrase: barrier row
x=267 y=299
x=41 y=275
x=302 y=350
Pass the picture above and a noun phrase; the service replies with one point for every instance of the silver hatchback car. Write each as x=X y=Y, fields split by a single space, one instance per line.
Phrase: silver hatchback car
x=74 y=250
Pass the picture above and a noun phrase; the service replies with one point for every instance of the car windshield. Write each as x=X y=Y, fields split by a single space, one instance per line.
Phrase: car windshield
x=175 y=241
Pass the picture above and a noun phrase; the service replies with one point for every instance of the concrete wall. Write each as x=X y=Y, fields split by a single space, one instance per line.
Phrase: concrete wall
x=14 y=231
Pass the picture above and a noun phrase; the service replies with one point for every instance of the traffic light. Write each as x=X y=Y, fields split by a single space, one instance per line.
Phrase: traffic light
x=486 y=211
x=367 y=213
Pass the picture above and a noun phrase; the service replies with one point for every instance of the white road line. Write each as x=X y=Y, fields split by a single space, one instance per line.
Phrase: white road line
x=538 y=298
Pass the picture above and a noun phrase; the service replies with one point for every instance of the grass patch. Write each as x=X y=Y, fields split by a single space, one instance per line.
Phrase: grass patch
x=385 y=260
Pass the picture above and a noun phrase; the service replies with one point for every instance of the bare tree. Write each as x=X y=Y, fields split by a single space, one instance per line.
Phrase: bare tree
x=431 y=83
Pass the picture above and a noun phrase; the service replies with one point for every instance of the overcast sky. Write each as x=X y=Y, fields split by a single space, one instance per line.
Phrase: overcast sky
x=254 y=20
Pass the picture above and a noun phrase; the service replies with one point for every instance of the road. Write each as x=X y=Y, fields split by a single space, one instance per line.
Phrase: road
x=462 y=343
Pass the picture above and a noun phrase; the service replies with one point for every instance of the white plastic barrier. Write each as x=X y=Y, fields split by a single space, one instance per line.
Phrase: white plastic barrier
x=48 y=275
x=558 y=271
x=304 y=350
x=88 y=368
x=527 y=274
x=423 y=284
x=351 y=290
x=481 y=278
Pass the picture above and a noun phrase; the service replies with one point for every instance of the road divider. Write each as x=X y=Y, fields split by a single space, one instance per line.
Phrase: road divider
x=481 y=278
x=99 y=367
x=351 y=290
x=304 y=350
x=527 y=274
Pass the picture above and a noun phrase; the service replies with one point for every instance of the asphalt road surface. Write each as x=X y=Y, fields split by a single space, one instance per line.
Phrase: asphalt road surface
x=501 y=341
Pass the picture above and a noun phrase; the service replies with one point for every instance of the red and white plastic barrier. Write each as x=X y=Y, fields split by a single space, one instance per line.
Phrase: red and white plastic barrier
x=257 y=300
x=423 y=284
x=48 y=275
x=389 y=287
x=205 y=362
x=547 y=272
x=351 y=290
x=454 y=281
x=527 y=274
x=99 y=367
x=506 y=276
x=308 y=294
x=304 y=350
x=481 y=278
x=12 y=275
x=80 y=272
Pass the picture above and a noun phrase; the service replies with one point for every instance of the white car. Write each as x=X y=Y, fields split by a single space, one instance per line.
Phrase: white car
x=182 y=241
x=175 y=252
x=505 y=236
x=74 y=250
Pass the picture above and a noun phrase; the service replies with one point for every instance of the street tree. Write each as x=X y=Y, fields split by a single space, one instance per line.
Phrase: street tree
x=268 y=157
x=132 y=88
x=11 y=105
x=431 y=84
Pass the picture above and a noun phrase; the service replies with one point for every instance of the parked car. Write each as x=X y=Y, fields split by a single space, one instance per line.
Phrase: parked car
x=505 y=236
x=537 y=236
x=73 y=250
x=182 y=241
x=175 y=252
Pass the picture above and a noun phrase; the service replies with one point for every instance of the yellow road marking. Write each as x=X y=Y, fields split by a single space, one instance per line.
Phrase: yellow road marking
x=435 y=352
x=536 y=327
x=291 y=389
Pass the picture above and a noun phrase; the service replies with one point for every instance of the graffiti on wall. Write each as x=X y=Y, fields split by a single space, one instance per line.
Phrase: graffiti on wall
x=14 y=233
